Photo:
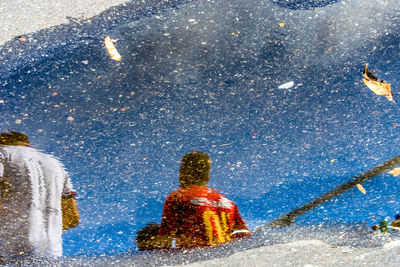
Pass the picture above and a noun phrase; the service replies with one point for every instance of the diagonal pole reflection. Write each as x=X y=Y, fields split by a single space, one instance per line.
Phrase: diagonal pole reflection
x=288 y=218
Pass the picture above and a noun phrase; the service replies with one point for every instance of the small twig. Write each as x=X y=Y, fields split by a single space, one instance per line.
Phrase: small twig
x=73 y=20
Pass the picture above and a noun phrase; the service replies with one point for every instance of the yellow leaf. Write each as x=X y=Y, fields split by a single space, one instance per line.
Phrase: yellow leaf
x=361 y=188
x=112 y=51
x=395 y=172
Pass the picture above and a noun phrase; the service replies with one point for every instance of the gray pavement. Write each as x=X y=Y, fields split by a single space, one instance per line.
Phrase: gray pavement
x=21 y=17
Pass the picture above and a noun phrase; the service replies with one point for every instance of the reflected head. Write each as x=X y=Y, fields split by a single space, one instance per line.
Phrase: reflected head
x=14 y=139
x=195 y=169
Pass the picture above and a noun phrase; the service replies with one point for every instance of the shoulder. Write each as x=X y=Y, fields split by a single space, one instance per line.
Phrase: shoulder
x=216 y=193
x=49 y=158
x=174 y=194
x=223 y=201
x=16 y=151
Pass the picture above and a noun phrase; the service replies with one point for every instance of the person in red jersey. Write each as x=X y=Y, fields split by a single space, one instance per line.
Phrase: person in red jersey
x=195 y=215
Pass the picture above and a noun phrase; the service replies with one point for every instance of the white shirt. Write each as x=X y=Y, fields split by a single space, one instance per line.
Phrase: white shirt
x=30 y=214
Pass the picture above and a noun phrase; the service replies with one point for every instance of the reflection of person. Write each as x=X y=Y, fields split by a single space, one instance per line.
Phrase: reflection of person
x=195 y=215
x=33 y=187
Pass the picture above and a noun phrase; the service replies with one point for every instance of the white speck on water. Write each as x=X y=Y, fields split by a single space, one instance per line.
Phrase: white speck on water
x=286 y=85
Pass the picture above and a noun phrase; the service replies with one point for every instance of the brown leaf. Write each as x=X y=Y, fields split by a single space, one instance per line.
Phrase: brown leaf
x=378 y=87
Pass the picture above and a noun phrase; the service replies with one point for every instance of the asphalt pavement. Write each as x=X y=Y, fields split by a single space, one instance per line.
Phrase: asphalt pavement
x=21 y=17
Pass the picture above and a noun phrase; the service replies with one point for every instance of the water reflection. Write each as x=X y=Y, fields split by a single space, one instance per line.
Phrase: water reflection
x=195 y=215
x=205 y=77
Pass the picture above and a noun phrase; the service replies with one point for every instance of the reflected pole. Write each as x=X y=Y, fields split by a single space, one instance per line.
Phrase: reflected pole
x=288 y=218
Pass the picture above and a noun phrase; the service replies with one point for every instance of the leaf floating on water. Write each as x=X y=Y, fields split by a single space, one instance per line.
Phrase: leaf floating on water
x=395 y=172
x=112 y=51
x=286 y=85
x=361 y=188
x=378 y=87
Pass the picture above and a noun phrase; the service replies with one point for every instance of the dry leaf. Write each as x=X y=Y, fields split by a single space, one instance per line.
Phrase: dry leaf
x=378 y=87
x=395 y=172
x=112 y=51
x=361 y=188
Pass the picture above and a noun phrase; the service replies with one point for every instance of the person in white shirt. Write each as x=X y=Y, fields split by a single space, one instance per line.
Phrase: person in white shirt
x=32 y=186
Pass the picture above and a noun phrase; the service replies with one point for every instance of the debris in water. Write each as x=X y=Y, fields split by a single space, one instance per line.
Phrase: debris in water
x=286 y=85
x=74 y=20
x=54 y=93
x=227 y=144
x=378 y=87
x=21 y=38
x=70 y=118
x=281 y=24
x=112 y=51
x=395 y=172
x=361 y=188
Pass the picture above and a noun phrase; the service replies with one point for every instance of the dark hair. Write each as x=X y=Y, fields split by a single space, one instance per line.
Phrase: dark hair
x=195 y=169
x=13 y=138
x=147 y=235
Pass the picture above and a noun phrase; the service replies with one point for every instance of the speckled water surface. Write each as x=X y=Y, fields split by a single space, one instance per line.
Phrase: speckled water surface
x=270 y=89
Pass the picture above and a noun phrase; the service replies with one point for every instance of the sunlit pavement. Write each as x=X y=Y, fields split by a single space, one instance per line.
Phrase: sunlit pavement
x=273 y=93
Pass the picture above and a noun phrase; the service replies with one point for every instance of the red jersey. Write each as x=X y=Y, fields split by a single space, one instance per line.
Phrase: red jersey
x=199 y=216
